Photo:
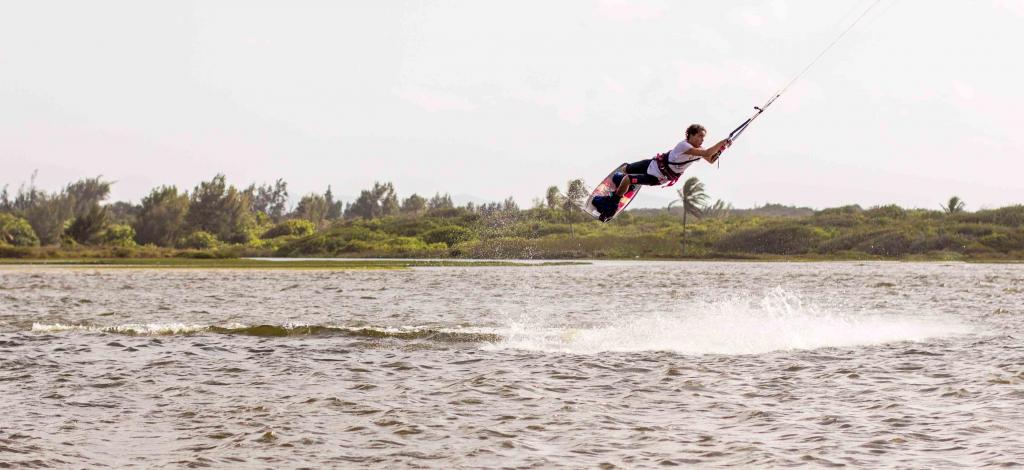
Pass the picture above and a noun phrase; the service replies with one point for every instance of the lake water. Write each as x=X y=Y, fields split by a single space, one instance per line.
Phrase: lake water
x=610 y=365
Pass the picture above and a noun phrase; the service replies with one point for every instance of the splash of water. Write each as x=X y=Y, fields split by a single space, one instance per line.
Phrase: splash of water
x=777 y=321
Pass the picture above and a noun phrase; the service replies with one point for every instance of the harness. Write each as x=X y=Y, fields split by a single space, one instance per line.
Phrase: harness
x=665 y=168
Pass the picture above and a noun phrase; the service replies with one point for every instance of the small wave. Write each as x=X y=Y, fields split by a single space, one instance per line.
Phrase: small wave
x=180 y=329
x=778 y=321
x=134 y=329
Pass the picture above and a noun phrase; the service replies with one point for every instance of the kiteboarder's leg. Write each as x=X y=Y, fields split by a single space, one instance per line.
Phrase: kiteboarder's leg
x=638 y=168
x=624 y=184
x=635 y=173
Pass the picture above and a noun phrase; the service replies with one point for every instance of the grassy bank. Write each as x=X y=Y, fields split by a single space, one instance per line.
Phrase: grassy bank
x=241 y=263
x=843 y=233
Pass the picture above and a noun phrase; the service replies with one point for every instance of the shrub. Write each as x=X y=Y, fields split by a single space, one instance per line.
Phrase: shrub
x=841 y=210
x=449 y=235
x=847 y=241
x=312 y=245
x=976 y=230
x=118 y=235
x=199 y=240
x=408 y=226
x=1010 y=216
x=889 y=242
x=340 y=239
x=296 y=227
x=356 y=232
x=16 y=231
x=1004 y=241
x=890 y=211
x=785 y=239
x=8 y=251
x=941 y=242
x=846 y=216
x=409 y=245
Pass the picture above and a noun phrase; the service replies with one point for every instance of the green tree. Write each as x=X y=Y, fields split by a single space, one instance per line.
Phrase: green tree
x=161 y=219
x=373 y=203
x=440 y=201
x=312 y=207
x=47 y=214
x=334 y=208
x=26 y=196
x=414 y=204
x=122 y=212
x=692 y=196
x=955 y=205
x=221 y=210
x=270 y=200
x=718 y=210
x=509 y=205
x=575 y=193
x=87 y=228
x=6 y=205
x=87 y=193
x=16 y=231
x=553 y=197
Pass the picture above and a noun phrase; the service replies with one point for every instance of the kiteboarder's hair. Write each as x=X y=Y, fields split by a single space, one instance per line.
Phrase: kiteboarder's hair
x=694 y=129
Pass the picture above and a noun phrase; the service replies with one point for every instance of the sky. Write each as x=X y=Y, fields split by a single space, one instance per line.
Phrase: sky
x=491 y=99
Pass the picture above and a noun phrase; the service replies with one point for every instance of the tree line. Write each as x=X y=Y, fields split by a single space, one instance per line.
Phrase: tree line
x=212 y=212
x=215 y=218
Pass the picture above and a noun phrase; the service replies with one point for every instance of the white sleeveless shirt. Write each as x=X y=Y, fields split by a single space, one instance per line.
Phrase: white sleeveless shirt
x=675 y=159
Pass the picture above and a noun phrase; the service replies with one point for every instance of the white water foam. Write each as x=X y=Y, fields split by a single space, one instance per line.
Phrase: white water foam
x=147 y=329
x=778 y=321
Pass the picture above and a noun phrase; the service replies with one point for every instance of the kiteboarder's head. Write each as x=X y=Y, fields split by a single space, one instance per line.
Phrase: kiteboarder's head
x=695 y=134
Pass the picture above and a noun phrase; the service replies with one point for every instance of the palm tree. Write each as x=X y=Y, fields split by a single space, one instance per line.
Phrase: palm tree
x=575 y=194
x=693 y=198
x=954 y=205
x=718 y=210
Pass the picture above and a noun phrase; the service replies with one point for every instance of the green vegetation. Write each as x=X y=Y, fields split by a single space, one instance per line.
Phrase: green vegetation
x=298 y=228
x=694 y=200
x=216 y=222
x=15 y=231
x=237 y=263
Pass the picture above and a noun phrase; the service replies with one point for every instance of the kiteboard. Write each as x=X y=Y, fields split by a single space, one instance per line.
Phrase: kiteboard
x=606 y=188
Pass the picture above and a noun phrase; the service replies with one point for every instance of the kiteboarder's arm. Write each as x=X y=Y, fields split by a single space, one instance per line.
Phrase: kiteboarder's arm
x=711 y=153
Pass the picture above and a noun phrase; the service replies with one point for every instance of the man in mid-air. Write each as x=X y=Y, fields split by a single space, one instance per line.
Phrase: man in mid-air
x=664 y=168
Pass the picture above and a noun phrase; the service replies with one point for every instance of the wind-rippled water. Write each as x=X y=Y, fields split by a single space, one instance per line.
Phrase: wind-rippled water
x=611 y=365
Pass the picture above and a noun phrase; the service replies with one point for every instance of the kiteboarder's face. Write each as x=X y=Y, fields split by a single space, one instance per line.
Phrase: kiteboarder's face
x=697 y=139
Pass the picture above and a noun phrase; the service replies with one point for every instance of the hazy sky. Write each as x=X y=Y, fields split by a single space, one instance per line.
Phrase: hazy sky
x=498 y=98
